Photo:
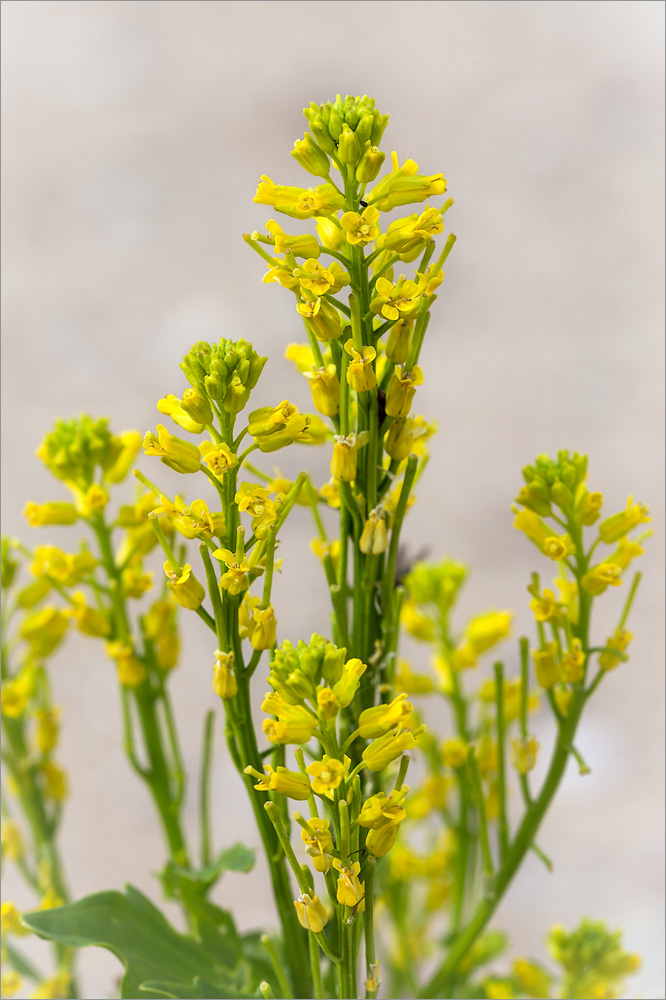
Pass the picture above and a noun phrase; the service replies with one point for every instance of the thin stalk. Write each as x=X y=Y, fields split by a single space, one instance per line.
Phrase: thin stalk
x=369 y=920
x=204 y=788
x=502 y=820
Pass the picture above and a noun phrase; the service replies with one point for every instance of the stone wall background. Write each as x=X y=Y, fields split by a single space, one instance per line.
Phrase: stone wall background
x=134 y=135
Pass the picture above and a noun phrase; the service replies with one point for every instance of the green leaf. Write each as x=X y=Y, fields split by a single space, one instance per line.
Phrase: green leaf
x=197 y=990
x=190 y=882
x=137 y=933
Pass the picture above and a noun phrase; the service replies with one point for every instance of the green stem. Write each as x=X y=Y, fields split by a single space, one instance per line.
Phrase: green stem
x=502 y=820
x=315 y=967
x=370 y=957
x=204 y=788
x=278 y=969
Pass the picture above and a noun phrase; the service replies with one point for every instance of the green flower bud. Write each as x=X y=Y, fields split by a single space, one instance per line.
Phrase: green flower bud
x=348 y=146
x=364 y=128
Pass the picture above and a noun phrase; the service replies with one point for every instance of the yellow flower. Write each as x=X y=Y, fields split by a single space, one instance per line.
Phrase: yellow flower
x=455 y=752
x=546 y=666
x=350 y=892
x=89 y=621
x=346 y=687
x=15 y=695
x=10 y=983
x=184 y=586
x=11 y=841
x=617 y=525
x=56 y=785
x=319 y=843
x=533 y=980
x=482 y=633
x=602 y=576
x=327 y=703
x=299 y=246
x=374 y=537
x=330 y=234
x=344 y=458
x=545 y=607
x=315 y=278
x=300 y=203
x=380 y=719
x=398 y=340
x=401 y=390
x=382 y=751
x=294 y=724
x=172 y=451
x=619 y=641
x=326 y=775
x=43 y=631
x=301 y=355
x=360 y=373
x=404 y=185
x=381 y=809
x=274 y=427
x=56 y=987
x=563 y=698
x=311 y=157
x=56 y=512
x=293 y=784
x=235 y=580
x=588 y=505
x=625 y=553
x=136 y=582
x=262 y=627
x=225 y=684
x=10 y=920
x=524 y=753
x=362 y=228
x=407 y=680
x=64 y=568
x=552 y=545
x=395 y=301
x=48 y=727
x=325 y=388
x=429 y=281
x=131 y=671
x=172 y=406
x=417 y=624
x=408 y=236
x=573 y=662
x=218 y=457
x=311 y=913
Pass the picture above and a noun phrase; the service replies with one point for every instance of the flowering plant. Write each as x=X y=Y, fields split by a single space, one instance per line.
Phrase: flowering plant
x=365 y=869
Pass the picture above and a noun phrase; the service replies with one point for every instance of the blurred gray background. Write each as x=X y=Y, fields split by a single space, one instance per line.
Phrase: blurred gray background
x=134 y=136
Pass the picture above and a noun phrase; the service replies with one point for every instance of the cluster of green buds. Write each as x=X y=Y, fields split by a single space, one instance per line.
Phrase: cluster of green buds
x=557 y=507
x=226 y=372
x=592 y=959
x=88 y=458
x=349 y=129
